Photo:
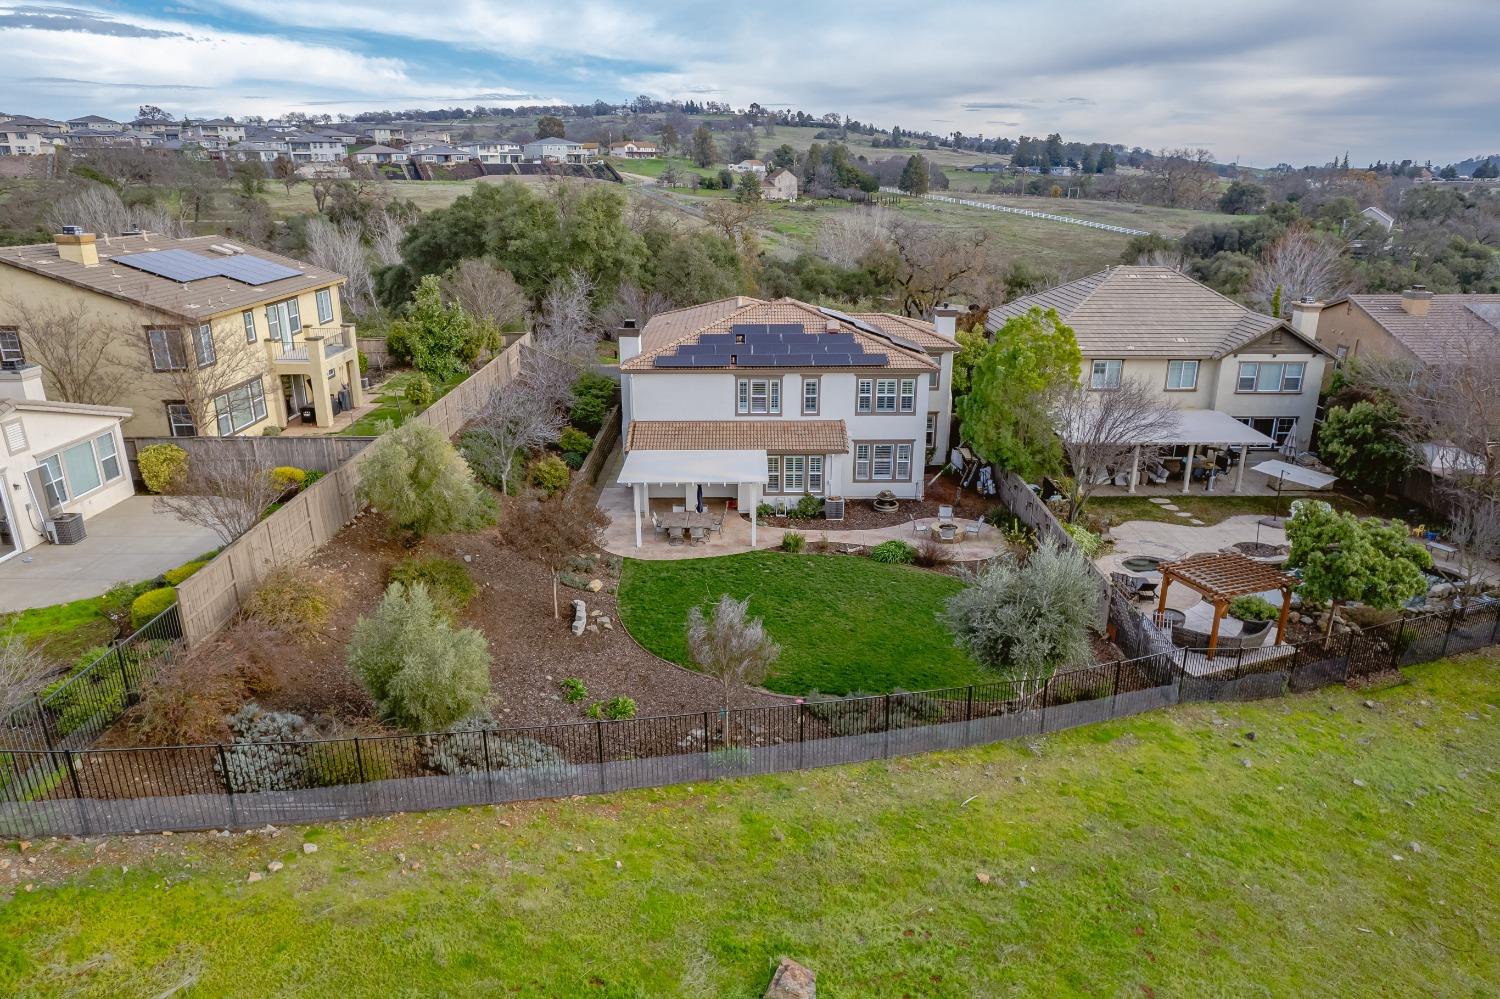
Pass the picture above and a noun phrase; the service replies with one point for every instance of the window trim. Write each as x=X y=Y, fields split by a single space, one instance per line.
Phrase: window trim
x=810 y=466
x=69 y=488
x=54 y=484
x=745 y=395
x=864 y=396
x=1281 y=389
x=170 y=335
x=870 y=448
x=19 y=349
x=324 y=296
x=815 y=382
x=173 y=424
x=930 y=432
x=248 y=316
x=894 y=396
x=1197 y=367
x=1094 y=372
x=203 y=342
x=906 y=402
x=228 y=406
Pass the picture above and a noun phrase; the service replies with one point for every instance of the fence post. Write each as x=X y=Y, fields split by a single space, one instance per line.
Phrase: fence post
x=1400 y=625
x=1452 y=616
x=801 y=735
x=885 y=740
x=234 y=820
x=83 y=814
x=599 y=747
x=41 y=717
x=1046 y=693
x=489 y=773
x=1115 y=697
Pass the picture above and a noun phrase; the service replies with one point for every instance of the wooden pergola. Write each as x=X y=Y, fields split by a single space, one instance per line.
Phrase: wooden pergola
x=1221 y=577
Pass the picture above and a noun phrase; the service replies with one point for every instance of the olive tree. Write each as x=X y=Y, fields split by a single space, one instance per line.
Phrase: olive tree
x=1342 y=558
x=729 y=645
x=417 y=478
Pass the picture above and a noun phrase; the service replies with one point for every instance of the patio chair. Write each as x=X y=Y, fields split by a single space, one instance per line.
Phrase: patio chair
x=1137 y=586
x=917 y=529
x=718 y=526
x=945 y=513
x=971 y=529
x=657 y=524
x=698 y=534
x=674 y=535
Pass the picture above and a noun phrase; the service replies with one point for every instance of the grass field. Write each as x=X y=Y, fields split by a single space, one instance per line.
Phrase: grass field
x=393 y=407
x=62 y=631
x=1213 y=509
x=844 y=624
x=1345 y=851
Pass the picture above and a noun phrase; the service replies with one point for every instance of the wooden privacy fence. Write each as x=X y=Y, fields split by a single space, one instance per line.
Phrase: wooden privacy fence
x=320 y=454
x=212 y=597
x=1031 y=511
x=604 y=444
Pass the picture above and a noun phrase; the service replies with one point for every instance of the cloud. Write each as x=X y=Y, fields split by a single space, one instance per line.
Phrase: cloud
x=64 y=82
x=49 y=18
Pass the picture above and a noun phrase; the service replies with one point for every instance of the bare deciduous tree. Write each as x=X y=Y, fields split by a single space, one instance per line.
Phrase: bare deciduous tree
x=929 y=264
x=192 y=369
x=100 y=211
x=564 y=338
x=487 y=293
x=1300 y=264
x=222 y=494
x=1101 y=431
x=1475 y=532
x=631 y=302
x=387 y=229
x=845 y=239
x=729 y=645
x=341 y=249
x=554 y=530
x=22 y=670
x=1184 y=178
x=78 y=349
x=522 y=416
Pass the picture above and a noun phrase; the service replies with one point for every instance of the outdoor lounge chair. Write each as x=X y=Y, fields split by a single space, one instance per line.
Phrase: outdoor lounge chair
x=657 y=524
x=1137 y=586
x=971 y=529
x=945 y=513
x=718 y=527
x=698 y=535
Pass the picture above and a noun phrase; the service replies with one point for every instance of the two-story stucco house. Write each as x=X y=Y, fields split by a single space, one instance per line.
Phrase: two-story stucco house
x=757 y=401
x=1198 y=349
x=210 y=338
x=559 y=151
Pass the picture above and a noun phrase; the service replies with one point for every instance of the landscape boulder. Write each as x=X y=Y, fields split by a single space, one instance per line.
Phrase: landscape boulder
x=580 y=617
x=792 y=981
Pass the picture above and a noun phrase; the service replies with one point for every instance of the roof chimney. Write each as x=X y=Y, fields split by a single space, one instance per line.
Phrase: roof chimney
x=1305 y=317
x=1416 y=300
x=629 y=338
x=945 y=320
x=76 y=246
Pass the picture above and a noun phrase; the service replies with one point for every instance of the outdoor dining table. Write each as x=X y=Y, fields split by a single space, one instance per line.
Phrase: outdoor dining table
x=686 y=519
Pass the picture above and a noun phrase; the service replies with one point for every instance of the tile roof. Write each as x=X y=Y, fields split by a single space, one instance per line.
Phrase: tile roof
x=194 y=301
x=670 y=330
x=1148 y=312
x=785 y=435
x=911 y=329
x=1446 y=333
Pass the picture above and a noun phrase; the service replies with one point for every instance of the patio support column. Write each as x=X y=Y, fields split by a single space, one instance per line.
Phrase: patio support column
x=1187 y=468
x=635 y=501
x=1166 y=581
x=1239 y=472
x=1213 y=635
x=1286 y=611
x=1135 y=468
x=754 y=509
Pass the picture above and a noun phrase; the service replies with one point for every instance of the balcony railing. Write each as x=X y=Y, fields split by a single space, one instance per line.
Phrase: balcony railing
x=336 y=340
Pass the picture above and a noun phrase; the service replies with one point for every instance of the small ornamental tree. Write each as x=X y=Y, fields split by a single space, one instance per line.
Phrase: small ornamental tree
x=440 y=339
x=421 y=671
x=730 y=646
x=420 y=482
x=1365 y=444
x=1344 y=558
x=1024 y=620
x=552 y=531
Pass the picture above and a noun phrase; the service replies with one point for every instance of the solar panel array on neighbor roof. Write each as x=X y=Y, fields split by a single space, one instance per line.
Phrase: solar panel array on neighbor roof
x=770 y=345
x=185 y=266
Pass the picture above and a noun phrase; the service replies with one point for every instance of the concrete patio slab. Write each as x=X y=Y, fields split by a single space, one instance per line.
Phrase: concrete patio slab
x=129 y=542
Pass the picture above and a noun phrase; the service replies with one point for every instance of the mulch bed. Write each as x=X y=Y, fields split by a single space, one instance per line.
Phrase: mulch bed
x=861 y=515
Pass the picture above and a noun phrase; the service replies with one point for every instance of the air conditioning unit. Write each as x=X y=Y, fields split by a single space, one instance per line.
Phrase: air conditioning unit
x=833 y=508
x=66 y=529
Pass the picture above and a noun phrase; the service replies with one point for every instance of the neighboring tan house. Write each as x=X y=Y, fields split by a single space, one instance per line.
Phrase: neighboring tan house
x=558 y=151
x=1414 y=326
x=385 y=134
x=1199 y=350
x=761 y=401
x=431 y=136
x=633 y=150
x=61 y=461
x=423 y=153
x=748 y=166
x=215 y=128
x=97 y=123
x=308 y=147
x=20 y=139
x=492 y=152
x=221 y=340
x=258 y=150
x=779 y=185
x=380 y=154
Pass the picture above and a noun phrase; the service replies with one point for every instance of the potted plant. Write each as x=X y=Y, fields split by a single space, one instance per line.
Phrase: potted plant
x=1255 y=615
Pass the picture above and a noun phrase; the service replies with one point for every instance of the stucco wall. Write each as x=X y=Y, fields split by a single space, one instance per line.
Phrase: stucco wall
x=46 y=434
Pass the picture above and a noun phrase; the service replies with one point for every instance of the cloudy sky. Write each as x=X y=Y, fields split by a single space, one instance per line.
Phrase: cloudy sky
x=1258 y=81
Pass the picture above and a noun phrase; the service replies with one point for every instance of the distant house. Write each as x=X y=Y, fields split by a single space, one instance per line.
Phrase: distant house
x=1196 y=349
x=432 y=136
x=215 y=128
x=61 y=458
x=779 y=185
x=1415 y=326
x=384 y=134
x=342 y=136
x=557 y=151
x=748 y=166
x=309 y=147
x=1386 y=220
x=493 y=152
x=96 y=123
x=633 y=150
x=436 y=153
x=380 y=154
x=20 y=139
x=163 y=128
x=258 y=150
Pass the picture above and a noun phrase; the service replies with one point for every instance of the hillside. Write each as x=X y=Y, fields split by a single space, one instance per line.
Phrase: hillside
x=1340 y=843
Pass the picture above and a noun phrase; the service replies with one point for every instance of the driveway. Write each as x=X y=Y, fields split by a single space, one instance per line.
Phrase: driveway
x=128 y=542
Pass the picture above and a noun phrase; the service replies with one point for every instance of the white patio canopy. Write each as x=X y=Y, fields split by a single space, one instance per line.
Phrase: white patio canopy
x=643 y=469
x=1195 y=427
x=1287 y=472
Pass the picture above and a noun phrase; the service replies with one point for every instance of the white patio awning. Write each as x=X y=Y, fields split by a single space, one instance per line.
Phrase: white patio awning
x=1295 y=473
x=1206 y=426
x=702 y=467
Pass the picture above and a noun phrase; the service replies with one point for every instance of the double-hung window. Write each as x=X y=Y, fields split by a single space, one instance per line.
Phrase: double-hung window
x=80 y=468
x=934 y=376
x=758 y=396
x=908 y=395
x=885 y=395
x=815 y=473
x=167 y=352
x=865 y=396
x=1182 y=376
x=324 y=298
x=249 y=317
x=284 y=320
x=1270 y=376
x=809 y=396
x=52 y=480
x=882 y=462
x=793 y=473
x=180 y=420
x=773 y=473
x=1106 y=374
x=240 y=407
x=862 y=462
x=109 y=456
x=931 y=439
x=11 y=354
x=203 y=345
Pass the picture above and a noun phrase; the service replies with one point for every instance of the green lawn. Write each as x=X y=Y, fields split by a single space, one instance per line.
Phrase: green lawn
x=62 y=631
x=393 y=407
x=1352 y=856
x=843 y=623
x=1212 y=509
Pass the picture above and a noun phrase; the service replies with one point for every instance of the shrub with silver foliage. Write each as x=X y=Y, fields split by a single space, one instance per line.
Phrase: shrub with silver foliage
x=257 y=760
x=461 y=750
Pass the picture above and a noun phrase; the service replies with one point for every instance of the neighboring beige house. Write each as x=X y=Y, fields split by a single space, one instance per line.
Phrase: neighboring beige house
x=1198 y=349
x=748 y=166
x=215 y=128
x=492 y=152
x=559 y=151
x=633 y=150
x=96 y=123
x=223 y=340
x=779 y=185
x=60 y=461
x=386 y=134
x=20 y=139
x=1415 y=325
x=380 y=154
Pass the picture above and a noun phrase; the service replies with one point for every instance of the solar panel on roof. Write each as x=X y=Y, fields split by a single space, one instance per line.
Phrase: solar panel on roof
x=184 y=266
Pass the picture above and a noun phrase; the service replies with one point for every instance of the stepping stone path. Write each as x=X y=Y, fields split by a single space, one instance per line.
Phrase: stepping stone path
x=1196 y=522
x=1160 y=501
x=1180 y=513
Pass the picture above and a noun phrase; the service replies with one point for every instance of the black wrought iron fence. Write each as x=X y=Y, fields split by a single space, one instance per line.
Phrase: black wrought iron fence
x=60 y=789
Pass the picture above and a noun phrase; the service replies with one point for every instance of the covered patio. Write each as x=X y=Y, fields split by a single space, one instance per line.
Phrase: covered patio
x=688 y=480
x=1202 y=432
x=1224 y=576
